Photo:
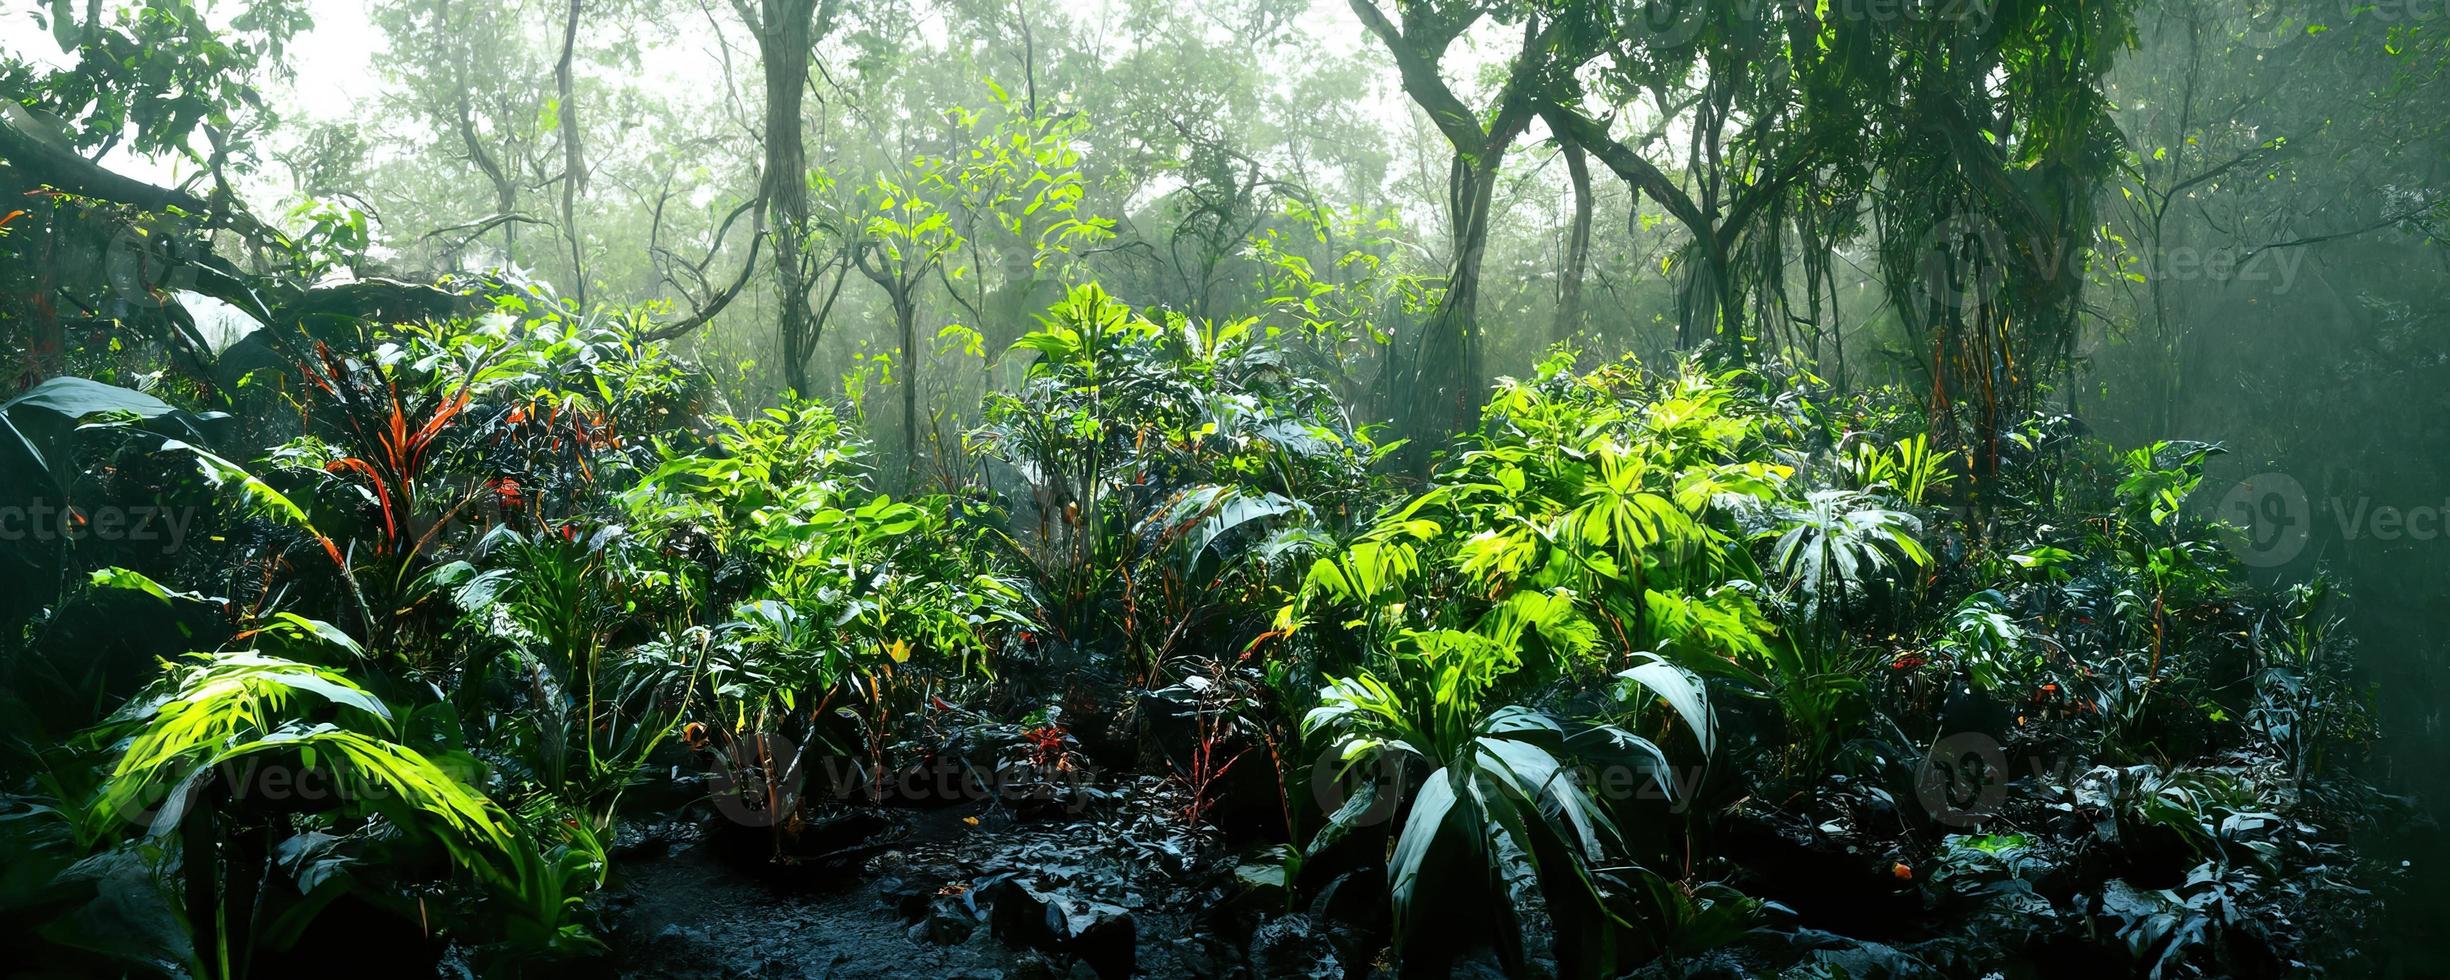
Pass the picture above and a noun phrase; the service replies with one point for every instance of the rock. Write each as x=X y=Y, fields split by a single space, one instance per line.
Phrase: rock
x=1030 y=965
x=1097 y=934
x=1293 y=946
x=1262 y=880
x=1018 y=916
x=1482 y=965
x=677 y=933
x=1353 y=914
x=840 y=833
x=1197 y=955
x=947 y=922
x=1104 y=937
x=908 y=897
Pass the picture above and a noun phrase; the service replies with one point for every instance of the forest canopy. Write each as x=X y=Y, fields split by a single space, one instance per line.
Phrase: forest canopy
x=1224 y=488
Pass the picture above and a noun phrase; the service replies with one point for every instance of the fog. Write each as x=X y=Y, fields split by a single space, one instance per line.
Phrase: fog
x=2035 y=235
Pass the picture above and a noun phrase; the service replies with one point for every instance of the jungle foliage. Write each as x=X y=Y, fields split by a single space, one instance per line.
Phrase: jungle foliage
x=1075 y=463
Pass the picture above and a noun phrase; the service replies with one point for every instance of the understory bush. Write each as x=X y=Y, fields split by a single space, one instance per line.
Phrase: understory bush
x=1654 y=669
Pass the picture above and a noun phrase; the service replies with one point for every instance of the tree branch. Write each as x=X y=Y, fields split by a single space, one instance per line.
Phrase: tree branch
x=723 y=299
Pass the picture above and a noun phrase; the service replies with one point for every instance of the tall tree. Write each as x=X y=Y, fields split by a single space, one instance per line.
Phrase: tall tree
x=574 y=165
x=466 y=87
x=1446 y=372
x=907 y=237
x=1722 y=77
x=1577 y=257
x=787 y=32
x=1993 y=139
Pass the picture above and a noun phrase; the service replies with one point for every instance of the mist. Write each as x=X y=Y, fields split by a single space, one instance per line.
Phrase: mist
x=1972 y=464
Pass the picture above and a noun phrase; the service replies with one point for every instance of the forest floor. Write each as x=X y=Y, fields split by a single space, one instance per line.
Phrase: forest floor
x=970 y=890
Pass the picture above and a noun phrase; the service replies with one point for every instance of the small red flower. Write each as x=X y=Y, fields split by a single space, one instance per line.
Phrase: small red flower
x=507 y=490
x=1047 y=745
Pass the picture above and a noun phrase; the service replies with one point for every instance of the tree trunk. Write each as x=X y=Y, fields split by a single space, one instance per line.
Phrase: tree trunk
x=905 y=317
x=1577 y=246
x=784 y=41
x=1714 y=231
x=573 y=166
x=1447 y=368
x=795 y=363
x=1447 y=372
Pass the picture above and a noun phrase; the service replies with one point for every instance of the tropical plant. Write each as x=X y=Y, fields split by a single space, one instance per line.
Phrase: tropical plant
x=1502 y=801
x=548 y=606
x=844 y=601
x=1839 y=549
x=237 y=753
x=47 y=435
x=1583 y=506
x=2304 y=700
x=1591 y=518
x=1988 y=643
x=1908 y=470
x=1158 y=462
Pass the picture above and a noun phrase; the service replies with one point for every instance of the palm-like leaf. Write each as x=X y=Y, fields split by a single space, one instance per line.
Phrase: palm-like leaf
x=1842 y=543
x=1503 y=789
x=232 y=706
x=1683 y=690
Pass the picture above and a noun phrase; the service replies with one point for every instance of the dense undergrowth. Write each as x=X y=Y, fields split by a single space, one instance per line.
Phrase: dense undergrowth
x=1660 y=669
